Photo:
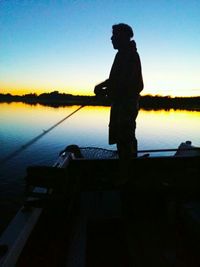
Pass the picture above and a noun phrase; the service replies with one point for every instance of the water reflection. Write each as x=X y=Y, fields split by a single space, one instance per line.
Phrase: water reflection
x=167 y=129
x=89 y=127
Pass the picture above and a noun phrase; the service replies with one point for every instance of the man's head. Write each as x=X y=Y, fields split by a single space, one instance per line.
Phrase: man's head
x=122 y=34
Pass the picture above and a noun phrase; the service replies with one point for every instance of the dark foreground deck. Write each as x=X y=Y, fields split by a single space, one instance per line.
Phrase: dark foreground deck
x=151 y=220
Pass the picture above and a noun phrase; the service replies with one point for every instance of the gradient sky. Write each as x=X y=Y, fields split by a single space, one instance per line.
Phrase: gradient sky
x=64 y=45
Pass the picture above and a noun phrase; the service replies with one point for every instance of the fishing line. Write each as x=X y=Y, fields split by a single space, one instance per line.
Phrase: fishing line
x=35 y=139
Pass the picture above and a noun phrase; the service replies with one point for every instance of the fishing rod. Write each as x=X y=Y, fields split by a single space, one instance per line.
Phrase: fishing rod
x=35 y=139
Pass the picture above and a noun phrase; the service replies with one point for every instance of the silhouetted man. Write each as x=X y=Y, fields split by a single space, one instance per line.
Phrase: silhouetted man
x=123 y=88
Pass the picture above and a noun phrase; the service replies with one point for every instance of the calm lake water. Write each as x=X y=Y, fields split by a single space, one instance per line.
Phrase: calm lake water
x=19 y=123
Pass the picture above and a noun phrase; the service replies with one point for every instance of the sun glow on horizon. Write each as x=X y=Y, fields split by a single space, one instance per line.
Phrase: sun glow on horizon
x=89 y=92
x=14 y=90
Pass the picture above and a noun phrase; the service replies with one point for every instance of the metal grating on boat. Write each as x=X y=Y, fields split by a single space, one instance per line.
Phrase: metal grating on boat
x=98 y=153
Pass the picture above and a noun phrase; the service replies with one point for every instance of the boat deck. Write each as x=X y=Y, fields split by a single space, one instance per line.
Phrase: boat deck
x=89 y=221
x=140 y=237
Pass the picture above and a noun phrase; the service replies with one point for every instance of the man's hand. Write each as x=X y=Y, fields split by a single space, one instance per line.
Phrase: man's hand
x=98 y=90
x=101 y=89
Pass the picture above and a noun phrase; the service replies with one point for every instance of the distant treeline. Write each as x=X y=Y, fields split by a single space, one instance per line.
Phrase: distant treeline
x=57 y=99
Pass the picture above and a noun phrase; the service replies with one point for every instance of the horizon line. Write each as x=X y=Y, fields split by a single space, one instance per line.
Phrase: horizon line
x=56 y=91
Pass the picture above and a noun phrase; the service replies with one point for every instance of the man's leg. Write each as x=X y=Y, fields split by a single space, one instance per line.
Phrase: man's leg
x=126 y=147
x=127 y=150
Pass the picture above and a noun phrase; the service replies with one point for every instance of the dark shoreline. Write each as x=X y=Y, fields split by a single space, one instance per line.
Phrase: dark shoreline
x=147 y=102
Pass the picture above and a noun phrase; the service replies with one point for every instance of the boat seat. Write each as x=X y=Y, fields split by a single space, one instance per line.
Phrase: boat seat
x=46 y=177
x=45 y=185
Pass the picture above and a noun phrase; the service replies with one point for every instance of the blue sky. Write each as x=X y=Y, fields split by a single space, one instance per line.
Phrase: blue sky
x=65 y=45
